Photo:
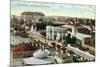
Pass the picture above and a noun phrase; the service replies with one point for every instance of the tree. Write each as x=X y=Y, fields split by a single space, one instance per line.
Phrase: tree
x=49 y=23
x=81 y=21
x=73 y=40
x=41 y=20
x=93 y=22
x=68 y=38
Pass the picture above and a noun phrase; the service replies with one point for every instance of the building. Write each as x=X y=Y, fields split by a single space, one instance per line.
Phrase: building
x=56 y=19
x=23 y=47
x=33 y=16
x=14 y=21
x=71 y=29
x=83 y=39
x=55 y=33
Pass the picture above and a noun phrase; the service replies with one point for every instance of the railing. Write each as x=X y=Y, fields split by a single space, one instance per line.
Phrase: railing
x=81 y=53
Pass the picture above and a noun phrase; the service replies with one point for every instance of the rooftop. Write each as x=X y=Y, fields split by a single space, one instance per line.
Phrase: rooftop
x=32 y=13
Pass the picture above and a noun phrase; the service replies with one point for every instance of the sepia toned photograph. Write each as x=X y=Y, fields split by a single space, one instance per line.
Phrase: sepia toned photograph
x=44 y=33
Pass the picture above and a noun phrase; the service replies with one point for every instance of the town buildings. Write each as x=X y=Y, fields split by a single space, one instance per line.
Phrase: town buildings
x=83 y=39
x=56 y=29
x=32 y=16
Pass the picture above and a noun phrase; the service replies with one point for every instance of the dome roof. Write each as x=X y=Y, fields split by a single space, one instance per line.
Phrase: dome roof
x=41 y=54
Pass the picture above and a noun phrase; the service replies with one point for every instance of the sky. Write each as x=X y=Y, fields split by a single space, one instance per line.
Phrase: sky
x=53 y=9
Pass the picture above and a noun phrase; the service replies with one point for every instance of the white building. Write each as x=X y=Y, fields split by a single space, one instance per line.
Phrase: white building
x=55 y=33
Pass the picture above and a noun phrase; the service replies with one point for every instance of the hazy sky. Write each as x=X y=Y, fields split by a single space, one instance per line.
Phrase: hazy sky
x=53 y=9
